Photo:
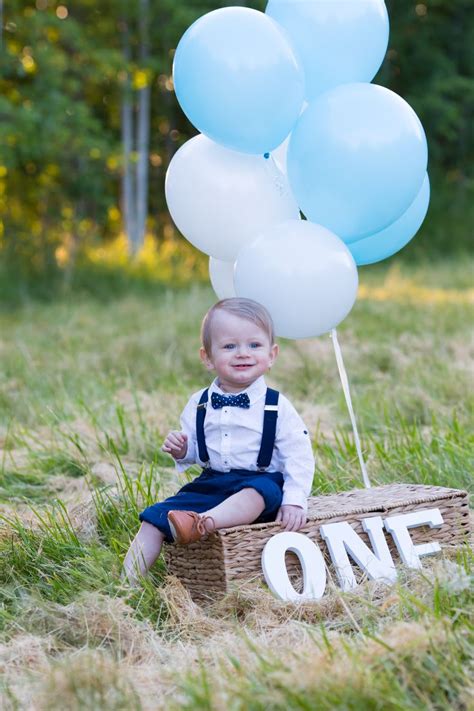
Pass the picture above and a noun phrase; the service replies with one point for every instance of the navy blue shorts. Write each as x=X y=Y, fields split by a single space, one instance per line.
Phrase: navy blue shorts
x=212 y=488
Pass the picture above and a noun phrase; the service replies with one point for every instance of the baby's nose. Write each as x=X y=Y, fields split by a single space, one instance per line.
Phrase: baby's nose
x=243 y=350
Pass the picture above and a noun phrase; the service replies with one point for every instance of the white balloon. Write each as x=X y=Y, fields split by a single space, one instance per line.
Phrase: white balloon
x=222 y=278
x=220 y=199
x=304 y=275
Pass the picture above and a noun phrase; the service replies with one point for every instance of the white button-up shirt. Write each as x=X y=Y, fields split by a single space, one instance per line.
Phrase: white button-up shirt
x=234 y=435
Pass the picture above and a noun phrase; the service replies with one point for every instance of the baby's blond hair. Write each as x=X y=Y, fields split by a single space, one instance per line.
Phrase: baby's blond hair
x=244 y=308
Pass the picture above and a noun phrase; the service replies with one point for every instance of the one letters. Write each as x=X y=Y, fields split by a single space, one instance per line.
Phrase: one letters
x=342 y=541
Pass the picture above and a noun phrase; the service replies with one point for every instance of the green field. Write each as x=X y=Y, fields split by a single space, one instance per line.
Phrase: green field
x=89 y=386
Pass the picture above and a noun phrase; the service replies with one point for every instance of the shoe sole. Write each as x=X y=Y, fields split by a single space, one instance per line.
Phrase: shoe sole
x=174 y=532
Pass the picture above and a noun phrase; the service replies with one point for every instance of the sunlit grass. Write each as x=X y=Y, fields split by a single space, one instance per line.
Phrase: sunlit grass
x=170 y=260
x=413 y=293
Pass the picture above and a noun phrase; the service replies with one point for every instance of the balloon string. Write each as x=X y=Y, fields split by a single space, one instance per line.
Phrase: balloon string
x=277 y=176
x=347 y=394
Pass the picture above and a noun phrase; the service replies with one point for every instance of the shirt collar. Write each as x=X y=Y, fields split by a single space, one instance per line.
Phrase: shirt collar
x=254 y=391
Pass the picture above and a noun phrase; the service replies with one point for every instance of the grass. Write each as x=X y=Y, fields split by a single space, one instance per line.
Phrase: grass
x=88 y=389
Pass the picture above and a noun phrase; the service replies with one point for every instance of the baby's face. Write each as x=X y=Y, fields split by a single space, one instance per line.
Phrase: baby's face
x=241 y=351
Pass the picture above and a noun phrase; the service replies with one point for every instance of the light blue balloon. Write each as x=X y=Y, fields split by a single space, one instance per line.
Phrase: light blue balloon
x=356 y=160
x=390 y=240
x=238 y=80
x=338 y=41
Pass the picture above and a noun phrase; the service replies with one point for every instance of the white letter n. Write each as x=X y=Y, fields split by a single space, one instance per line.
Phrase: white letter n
x=341 y=540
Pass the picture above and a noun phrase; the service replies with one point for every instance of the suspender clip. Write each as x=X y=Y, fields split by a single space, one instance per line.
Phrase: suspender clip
x=271 y=408
x=202 y=405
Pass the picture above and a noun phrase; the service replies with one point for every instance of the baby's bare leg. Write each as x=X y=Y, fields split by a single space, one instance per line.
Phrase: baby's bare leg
x=143 y=552
x=238 y=509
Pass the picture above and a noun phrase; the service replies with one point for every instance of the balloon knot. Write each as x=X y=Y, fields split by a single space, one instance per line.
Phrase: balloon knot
x=266 y=155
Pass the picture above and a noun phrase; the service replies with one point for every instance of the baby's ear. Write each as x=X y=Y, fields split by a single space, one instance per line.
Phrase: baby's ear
x=205 y=359
x=274 y=351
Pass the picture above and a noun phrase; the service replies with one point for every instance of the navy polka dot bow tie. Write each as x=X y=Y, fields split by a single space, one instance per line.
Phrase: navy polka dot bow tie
x=219 y=401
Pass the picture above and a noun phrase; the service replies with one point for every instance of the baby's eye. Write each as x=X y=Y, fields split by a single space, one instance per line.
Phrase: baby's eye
x=255 y=344
x=229 y=346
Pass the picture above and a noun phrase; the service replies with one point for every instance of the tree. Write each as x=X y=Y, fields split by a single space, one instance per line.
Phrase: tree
x=54 y=144
x=430 y=62
x=136 y=129
x=79 y=82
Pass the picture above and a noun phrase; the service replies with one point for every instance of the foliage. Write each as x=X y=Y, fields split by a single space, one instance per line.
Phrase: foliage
x=56 y=146
x=61 y=84
x=430 y=63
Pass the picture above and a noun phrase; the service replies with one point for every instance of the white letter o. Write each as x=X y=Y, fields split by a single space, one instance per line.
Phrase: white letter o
x=312 y=563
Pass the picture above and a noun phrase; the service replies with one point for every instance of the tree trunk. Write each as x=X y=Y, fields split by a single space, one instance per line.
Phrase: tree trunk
x=128 y=181
x=1 y=25
x=143 y=131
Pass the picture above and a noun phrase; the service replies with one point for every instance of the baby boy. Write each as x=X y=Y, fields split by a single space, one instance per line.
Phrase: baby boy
x=255 y=450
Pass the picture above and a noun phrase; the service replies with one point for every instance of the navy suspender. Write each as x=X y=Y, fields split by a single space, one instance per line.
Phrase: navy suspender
x=270 y=416
x=200 y=417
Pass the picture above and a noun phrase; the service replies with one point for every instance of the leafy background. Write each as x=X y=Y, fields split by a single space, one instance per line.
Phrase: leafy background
x=66 y=73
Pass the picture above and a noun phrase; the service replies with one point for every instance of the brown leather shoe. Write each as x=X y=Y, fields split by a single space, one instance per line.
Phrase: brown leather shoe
x=187 y=526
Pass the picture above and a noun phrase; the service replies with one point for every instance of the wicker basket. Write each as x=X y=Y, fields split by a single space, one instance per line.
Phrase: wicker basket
x=233 y=555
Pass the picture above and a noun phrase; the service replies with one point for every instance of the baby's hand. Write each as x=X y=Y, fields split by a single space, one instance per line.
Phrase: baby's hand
x=291 y=518
x=176 y=444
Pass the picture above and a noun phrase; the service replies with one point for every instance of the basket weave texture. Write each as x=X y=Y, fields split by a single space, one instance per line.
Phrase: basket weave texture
x=233 y=555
